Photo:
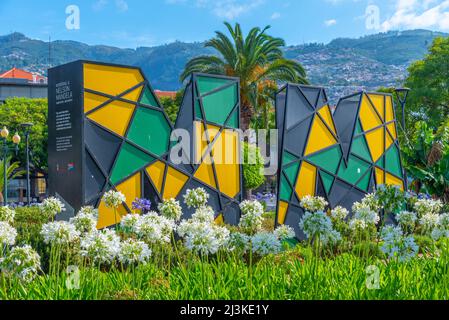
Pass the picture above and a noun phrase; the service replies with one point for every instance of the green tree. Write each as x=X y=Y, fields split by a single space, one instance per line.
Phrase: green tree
x=253 y=167
x=16 y=111
x=171 y=106
x=429 y=81
x=256 y=59
x=11 y=173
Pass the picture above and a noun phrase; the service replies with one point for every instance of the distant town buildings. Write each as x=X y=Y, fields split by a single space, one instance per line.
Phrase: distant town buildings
x=21 y=83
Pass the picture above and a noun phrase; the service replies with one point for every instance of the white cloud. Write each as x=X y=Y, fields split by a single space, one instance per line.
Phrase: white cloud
x=228 y=9
x=330 y=23
x=414 y=14
x=121 y=5
x=275 y=16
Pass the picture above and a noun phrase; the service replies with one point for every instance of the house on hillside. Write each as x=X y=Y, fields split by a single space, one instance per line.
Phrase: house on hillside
x=21 y=83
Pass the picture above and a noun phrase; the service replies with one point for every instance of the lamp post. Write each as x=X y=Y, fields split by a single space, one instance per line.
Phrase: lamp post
x=27 y=129
x=4 y=133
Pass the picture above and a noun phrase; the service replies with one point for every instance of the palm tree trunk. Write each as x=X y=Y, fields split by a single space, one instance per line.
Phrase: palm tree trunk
x=246 y=116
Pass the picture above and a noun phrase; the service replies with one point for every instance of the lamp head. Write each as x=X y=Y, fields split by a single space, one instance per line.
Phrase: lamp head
x=4 y=133
x=16 y=139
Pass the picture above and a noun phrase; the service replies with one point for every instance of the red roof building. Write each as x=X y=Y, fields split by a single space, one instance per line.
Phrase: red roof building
x=15 y=73
x=165 y=94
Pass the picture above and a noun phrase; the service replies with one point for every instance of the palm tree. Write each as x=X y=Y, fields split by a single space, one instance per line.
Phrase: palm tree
x=12 y=172
x=256 y=59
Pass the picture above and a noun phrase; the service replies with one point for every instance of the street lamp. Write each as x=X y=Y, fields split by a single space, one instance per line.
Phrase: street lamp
x=4 y=133
x=27 y=129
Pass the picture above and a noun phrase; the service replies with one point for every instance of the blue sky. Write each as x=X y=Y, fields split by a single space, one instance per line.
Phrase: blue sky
x=134 y=23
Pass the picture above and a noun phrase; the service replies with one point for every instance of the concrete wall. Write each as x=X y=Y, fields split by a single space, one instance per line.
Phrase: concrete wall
x=22 y=91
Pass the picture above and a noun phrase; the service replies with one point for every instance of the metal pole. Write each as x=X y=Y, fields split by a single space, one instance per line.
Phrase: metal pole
x=5 y=178
x=27 y=135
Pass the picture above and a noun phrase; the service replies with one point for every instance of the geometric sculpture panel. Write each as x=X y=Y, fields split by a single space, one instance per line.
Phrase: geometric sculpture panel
x=340 y=155
x=108 y=130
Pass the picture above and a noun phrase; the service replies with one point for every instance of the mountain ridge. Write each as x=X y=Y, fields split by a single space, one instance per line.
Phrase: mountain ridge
x=343 y=65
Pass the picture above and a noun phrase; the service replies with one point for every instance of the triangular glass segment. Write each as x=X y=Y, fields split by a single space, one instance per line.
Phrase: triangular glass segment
x=328 y=180
x=148 y=98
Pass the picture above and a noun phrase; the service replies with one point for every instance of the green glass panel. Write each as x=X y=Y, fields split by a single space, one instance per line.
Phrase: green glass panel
x=328 y=180
x=394 y=161
x=233 y=122
x=150 y=130
x=355 y=171
x=286 y=190
x=198 y=113
x=381 y=163
x=148 y=98
x=292 y=172
x=130 y=160
x=218 y=106
x=206 y=84
x=358 y=128
x=328 y=160
x=364 y=183
x=288 y=158
x=360 y=148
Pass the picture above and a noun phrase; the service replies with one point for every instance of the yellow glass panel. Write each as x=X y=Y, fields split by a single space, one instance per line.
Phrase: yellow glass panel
x=368 y=116
x=380 y=179
x=156 y=172
x=389 y=141
x=389 y=109
x=114 y=116
x=205 y=173
x=378 y=101
x=226 y=153
x=201 y=138
x=91 y=101
x=306 y=180
x=109 y=79
x=283 y=207
x=392 y=129
x=376 y=143
x=394 y=181
x=133 y=95
x=326 y=114
x=320 y=137
x=174 y=182
x=219 y=220
x=132 y=189
x=106 y=216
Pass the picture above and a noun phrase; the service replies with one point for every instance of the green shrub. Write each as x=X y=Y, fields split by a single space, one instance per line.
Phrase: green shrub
x=425 y=243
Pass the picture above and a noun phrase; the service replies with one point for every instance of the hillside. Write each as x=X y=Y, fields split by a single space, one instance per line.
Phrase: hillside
x=343 y=65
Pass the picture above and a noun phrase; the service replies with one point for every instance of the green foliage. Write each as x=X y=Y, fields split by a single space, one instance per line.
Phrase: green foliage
x=257 y=59
x=22 y=110
x=171 y=106
x=429 y=98
x=253 y=167
x=11 y=172
x=391 y=198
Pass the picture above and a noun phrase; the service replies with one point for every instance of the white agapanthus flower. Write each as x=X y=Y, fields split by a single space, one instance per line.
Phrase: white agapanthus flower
x=366 y=214
x=84 y=222
x=89 y=210
x=205 y=238
x=428 y=206
x=113 y=199
x=428 y=222
x=284 y=232
x=204 y=214
x=8 y=234
x=21 y=262
x=265 y=243
x=154 y=228
x=319 y=225
x=252 y=219
x=171 y=209
x=59 y=233
x=7 y=214
x=407 y=220
x=130 y=222
x=239 y=242
x=196 y=198
x=52 y=206
x=313 y=204
x=357 y=225
x=442 y=228
x=101 y=247
x=396 y=246
x=133 y=251
x=339 y=213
